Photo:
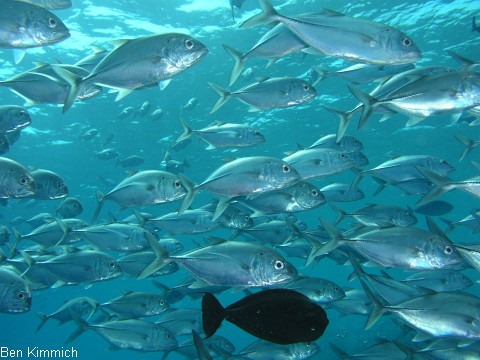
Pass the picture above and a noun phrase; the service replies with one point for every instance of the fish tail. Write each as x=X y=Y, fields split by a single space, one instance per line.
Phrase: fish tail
x=187 y=131
x=344 y=116
x=442 y=186
x=76 y=86
x=18 y=238
x=377 y=308
x=191 y=192
x=341 y=214
x=213 y=313
x=82 y=325
x=224 y=96
x=267 y=15
x=43 y=319
x=29 y=260
x=101 y=200
x=322 y=74
x=161 y=257
x=336 y=240
x=368 y=104
x=340 y=353
x=64 y=229
x=469 y=145
x=239 y=63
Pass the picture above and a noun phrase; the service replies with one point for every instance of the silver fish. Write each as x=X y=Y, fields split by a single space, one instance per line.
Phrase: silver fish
x=379 y=215
x=268 y=94
x=345 y=144
x=43 y=27
x=49 y=185
x=130 y=161
x=353 y=39
x=243 y=177
x=15 y=296
x=144 y=109
x=193 y=221
x=130 y=334
x=337 y=192
x=16 y=180
x=146 y=187
x=230 y=263
x=13 y=118
x=320 y=290
x=136 y=305
x=42 y=85
x=50 y=4
x=223 y=135
x=80 y=305
x=149 y=59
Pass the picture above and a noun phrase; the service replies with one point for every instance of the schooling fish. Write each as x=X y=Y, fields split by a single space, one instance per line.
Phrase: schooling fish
x=280 y=316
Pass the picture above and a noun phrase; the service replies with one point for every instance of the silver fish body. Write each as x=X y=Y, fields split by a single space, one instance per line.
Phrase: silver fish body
x=49 y=185
x=25 y=25
x=16 y=181
x=15 y=296
x=13 y=118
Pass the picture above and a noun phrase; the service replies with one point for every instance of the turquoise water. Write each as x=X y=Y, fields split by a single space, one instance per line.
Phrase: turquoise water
x=53 y=140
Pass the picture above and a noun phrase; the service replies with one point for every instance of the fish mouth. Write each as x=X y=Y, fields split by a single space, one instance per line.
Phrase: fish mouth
x=60 y=37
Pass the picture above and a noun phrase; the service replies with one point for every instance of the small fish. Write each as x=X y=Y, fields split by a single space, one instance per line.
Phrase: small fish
x=130 y=161
x=475 y=27
x=280 y=316
x=190 y=104
x=127 y=112
x=267 y=94
x=89 y=135
x=106 y=154
x=4 y=235
x=69 y=208
x=144 y=109
x=341 y=193
x=134 y=305
x=223 y=135
x=13 y=118
x=156 y=115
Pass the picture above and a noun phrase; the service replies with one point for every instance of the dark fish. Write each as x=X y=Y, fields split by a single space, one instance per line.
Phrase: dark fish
x=49 y=185
x=69 y=208
x=280 y=316
x=434 y=208
x=13 y=118
x=50 y=4
x=475 y=27
x=129 y=161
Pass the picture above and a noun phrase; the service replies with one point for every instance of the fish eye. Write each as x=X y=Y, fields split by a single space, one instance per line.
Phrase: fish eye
x=20 y=295
x=22 y=113
x=162 y=302
x=23 y=180
x=305 y=87
x=52 y=22
x=406 y=42
x=448 y=250
x=444 y=162
x=314 y=193
x=286 y=168
x=59 y=185
x=177 y=184
x=279 y=265
x=189 y=44
x=168 y=336
x=247 y=218
x=342 y=156
x=112 y=264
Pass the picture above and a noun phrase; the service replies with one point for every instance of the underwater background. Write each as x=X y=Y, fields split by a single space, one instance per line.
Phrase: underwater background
x=53 y=140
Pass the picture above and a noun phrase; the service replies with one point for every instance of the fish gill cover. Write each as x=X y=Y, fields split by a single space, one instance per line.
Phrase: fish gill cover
x=341 y=152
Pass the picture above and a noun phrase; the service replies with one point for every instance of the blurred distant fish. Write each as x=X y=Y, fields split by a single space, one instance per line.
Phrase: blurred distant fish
x=268 y=94
x=235 y=3
x=156 y=114
x=15 y=296
x=49 y=185
x=70 y=208
x=24 y=25
x=4 y=144
x=90 y=61
x=50 y=4
x=4 y=235
x=149 y=60
x=129 y=161
x=434 y=208
x=172 y=165
x=89 y=135
x=190 y=104
x=341 y=193
x=128 y=111
x=144 y=109
x=13 y=118
x=106 y=154
x=475 y=26
x=15 y=180
x=224 y=135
